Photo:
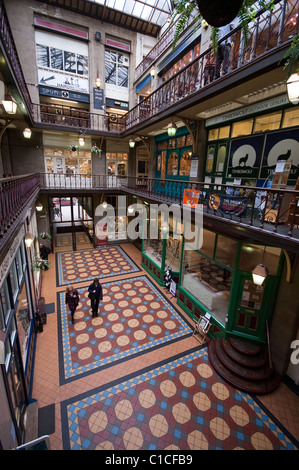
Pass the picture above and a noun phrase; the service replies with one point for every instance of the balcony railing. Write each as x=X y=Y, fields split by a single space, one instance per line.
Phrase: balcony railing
x=270 y=31
x=14 y=195
x=264 y=210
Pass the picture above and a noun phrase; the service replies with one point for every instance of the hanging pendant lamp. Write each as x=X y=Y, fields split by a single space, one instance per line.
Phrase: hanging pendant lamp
x=219 y=12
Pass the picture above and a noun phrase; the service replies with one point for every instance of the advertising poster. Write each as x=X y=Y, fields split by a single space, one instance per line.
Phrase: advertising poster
x=281 y=146
x=245 y=157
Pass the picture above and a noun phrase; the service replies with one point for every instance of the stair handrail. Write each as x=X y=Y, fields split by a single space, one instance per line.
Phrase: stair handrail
x=269 y=346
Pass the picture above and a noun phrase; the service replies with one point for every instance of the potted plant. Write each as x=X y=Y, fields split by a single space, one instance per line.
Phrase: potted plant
x=40 y=264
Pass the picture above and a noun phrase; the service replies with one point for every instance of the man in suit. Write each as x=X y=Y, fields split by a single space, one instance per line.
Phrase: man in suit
x=95 y=295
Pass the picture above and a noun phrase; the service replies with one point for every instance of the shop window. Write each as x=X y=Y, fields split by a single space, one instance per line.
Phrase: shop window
x=207 y=282
x=213 y=134
x=252 y=255
x=173 y=164
x=224 y=132
x=268 y=122
x=186 y=59
x=185 y=163
x=291 y=118
x=153 y=249
x=210 y=158
x=196 y=51
x=242 y=128
x=117 y=163
x=221 y=154
x=226 y=251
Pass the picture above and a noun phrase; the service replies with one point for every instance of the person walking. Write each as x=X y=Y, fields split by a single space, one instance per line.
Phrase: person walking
x=95 y=295
x=72 y=300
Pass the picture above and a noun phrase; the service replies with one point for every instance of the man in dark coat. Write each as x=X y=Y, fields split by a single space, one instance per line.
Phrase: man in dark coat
x=95 y=295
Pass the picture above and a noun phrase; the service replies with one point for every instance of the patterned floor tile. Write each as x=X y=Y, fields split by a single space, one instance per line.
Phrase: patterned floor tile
x=180 y=404
x=135 y=317
x=82 y=265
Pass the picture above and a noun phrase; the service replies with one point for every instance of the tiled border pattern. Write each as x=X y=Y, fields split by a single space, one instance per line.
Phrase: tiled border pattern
x=180 y=404
x=83 y=265
x=135 y=317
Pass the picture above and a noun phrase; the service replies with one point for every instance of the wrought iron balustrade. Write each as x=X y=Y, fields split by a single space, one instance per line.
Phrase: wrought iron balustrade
x=270 y=31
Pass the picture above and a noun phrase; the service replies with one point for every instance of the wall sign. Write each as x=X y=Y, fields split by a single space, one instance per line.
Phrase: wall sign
x=62 y=80
x=63 y=94
x=98 y=98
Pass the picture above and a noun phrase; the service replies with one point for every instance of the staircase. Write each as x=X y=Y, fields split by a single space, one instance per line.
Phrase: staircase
x=245 y=365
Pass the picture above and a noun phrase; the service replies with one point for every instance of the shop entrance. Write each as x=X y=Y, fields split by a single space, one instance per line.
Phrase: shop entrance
x=71 y=221
x=251 y=308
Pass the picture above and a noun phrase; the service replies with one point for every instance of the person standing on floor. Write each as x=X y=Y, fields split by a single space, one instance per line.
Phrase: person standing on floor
x=72 y=300
x=95 y=295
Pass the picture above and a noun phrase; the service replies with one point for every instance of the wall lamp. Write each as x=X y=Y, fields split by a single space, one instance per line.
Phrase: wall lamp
x=10 y=105
x=27 y=133
x=293 y=88
x=171 y=129
x=153 y=72
x=28 y=239
x=98 y=82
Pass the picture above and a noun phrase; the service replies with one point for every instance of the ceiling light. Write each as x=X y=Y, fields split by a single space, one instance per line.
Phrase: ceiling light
x=81 y=141
x=39 y=207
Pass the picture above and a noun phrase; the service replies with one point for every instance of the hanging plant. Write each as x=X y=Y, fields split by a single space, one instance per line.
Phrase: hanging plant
x=95 y=149
x=73 y=147
x=40 y=264
x=44 y=236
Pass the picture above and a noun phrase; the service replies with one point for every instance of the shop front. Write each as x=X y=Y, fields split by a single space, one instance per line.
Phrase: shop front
x=217 y=278
x=17 y=324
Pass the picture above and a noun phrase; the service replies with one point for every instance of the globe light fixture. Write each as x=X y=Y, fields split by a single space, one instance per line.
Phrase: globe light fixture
x=104 y=205
x=130 y=210
x=81 y=141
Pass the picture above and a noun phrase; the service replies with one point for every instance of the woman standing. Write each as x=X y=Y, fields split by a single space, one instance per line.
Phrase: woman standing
x=72 y=300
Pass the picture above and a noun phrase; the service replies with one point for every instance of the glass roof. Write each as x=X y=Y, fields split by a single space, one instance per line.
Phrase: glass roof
x=153 y=11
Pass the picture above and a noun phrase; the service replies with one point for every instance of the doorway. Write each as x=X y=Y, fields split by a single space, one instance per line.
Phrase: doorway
x=71 y=221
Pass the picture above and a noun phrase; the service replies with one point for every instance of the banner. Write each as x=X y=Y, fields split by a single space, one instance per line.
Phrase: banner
x=226 y=204
x=191 y=197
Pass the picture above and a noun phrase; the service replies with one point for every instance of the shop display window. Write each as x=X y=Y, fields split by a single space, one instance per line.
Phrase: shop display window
x=153 y=249
x=269 y=122
x=173 y=252
x=226 y=250
x=242 y=128
x=291 y=117
x=185 y=163
x=207 y=282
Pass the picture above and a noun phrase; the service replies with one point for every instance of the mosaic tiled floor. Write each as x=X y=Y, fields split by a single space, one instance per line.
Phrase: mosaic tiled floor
x=102 y=262
x=180 y=404
x=65 y=239
x=134 y=318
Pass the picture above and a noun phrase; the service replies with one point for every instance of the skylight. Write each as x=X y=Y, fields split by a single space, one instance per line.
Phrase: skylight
x=153 y=11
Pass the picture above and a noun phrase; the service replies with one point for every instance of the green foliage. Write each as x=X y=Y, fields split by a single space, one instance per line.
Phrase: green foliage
x=247 y=13
x=291 y=57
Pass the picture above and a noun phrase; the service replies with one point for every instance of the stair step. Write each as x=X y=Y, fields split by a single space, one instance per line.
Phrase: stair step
x=244 y=359
x=248 y=373
x=256 y=387
x=244 y=346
